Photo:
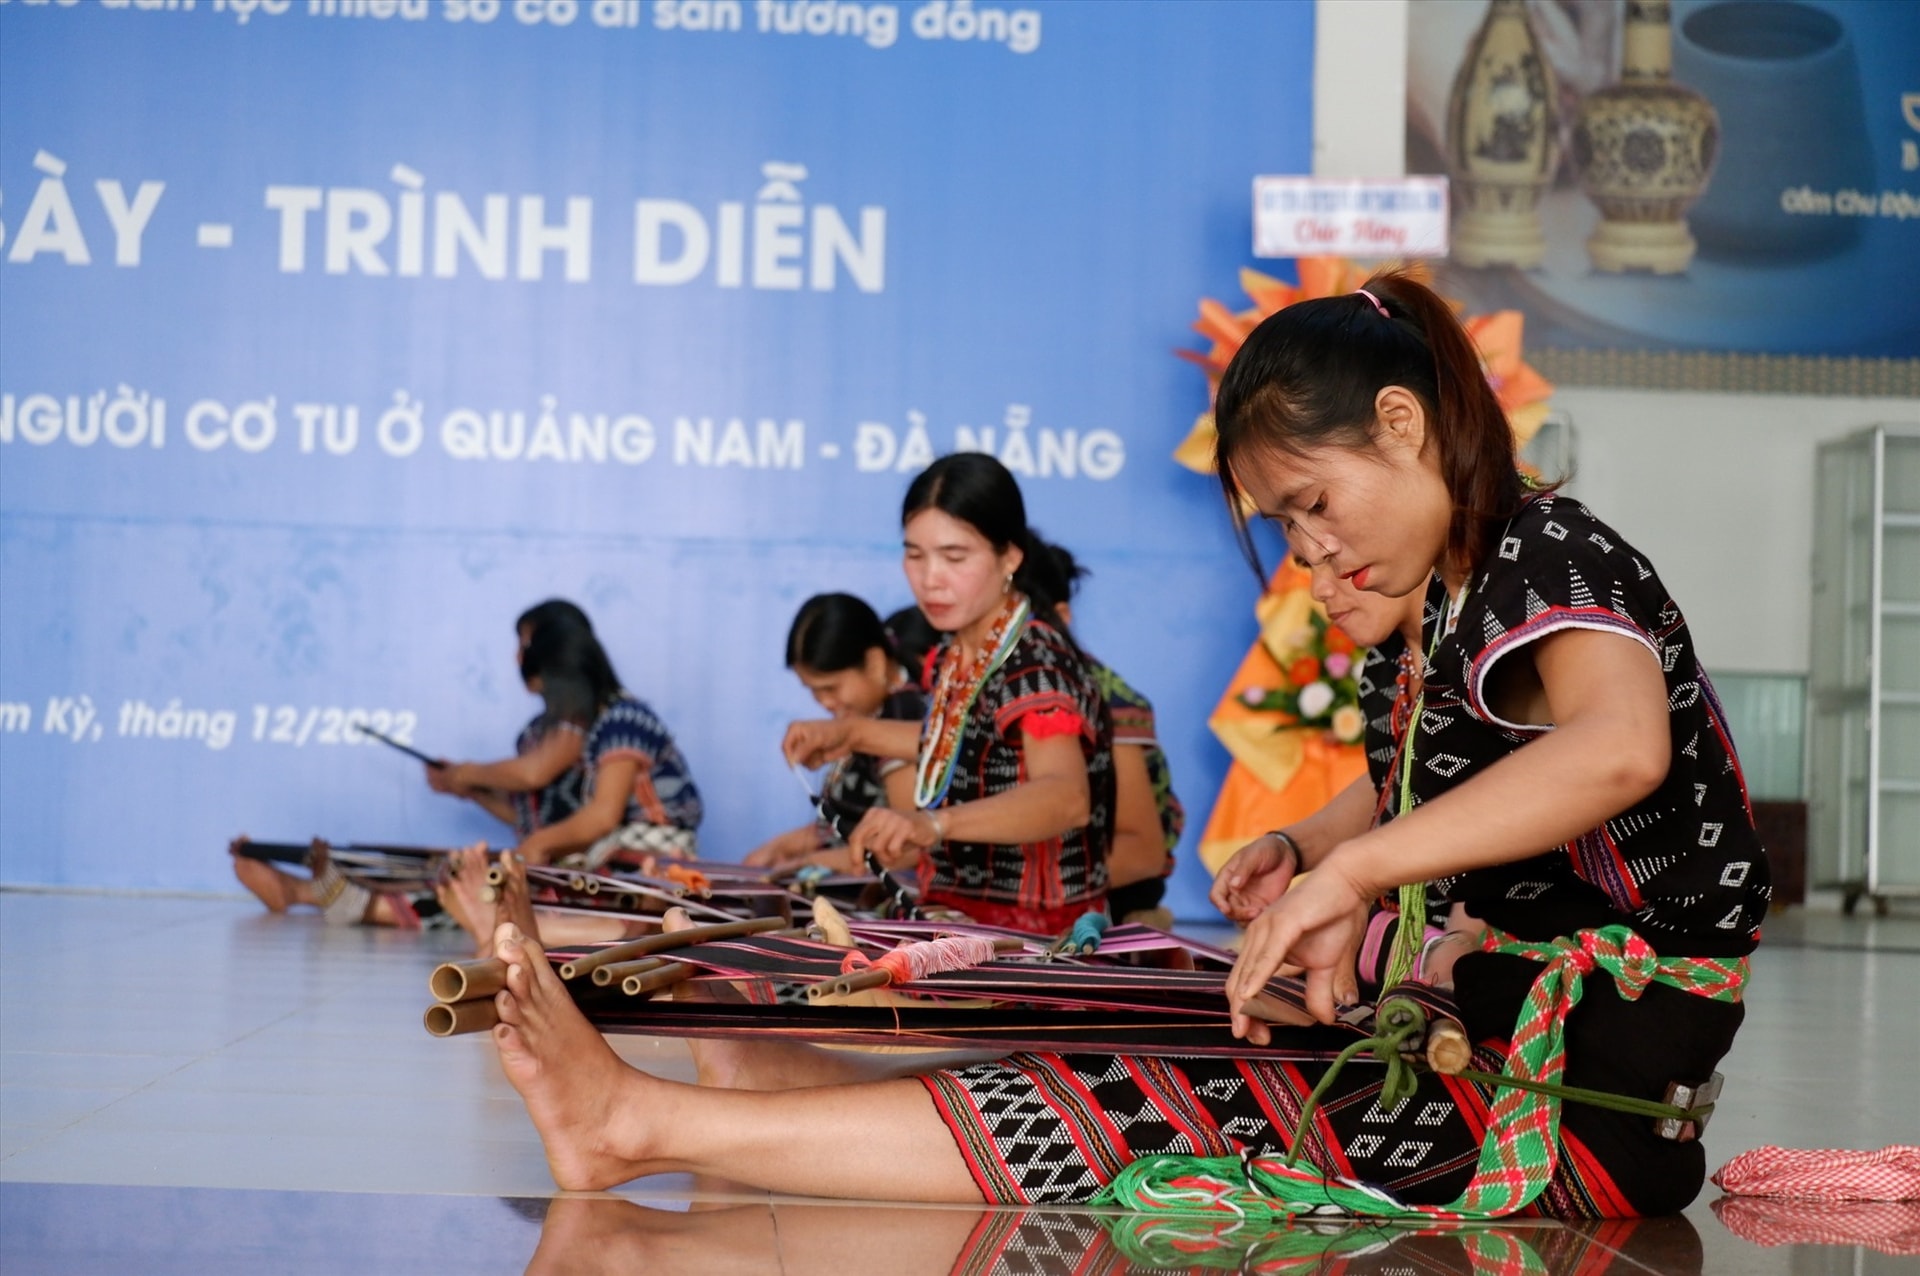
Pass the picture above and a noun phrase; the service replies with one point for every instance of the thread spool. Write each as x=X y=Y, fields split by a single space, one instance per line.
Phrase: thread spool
x=467 y=980
x=461 y=1017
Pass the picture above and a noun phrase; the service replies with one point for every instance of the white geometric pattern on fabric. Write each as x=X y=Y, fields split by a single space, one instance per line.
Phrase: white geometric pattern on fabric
x=1031 y=1136
x=1554 y=530
x=1528 y=890
x=1445 y=765
x=1710 y=836
x=1510 y=549
x=1434 y=1113
x=1364 y=1146
x=1735 y=874
x=1684 y=696
x=1220 y=1089
x=1408 y=1154
x=1376 y=1113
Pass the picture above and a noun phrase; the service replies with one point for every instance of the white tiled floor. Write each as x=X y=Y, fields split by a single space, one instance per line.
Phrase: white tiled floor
x=198 y=1044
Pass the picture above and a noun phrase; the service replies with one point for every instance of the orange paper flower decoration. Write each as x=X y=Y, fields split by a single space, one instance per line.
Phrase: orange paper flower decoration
x=1521 y=391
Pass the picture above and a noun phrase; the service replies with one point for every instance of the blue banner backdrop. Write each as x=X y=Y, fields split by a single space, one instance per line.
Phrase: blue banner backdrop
x=338 y=331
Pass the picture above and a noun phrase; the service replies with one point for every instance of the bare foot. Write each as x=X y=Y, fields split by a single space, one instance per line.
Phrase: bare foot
x=588 y=1105
x=270 y=886
x=464 y=895
x=515 y=900
x=584 y=1235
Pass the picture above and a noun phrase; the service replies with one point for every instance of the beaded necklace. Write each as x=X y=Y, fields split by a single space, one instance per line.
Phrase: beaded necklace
x=954 y=691
x=1411 y=933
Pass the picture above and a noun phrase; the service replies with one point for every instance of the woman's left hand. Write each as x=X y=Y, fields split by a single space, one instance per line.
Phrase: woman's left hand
x=1318 y=926
x=892 y=836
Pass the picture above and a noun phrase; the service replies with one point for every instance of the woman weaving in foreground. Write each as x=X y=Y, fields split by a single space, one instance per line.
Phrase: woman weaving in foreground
x=1562 y=708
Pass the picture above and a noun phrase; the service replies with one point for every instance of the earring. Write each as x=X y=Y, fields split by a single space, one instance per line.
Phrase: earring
x=1006 y=586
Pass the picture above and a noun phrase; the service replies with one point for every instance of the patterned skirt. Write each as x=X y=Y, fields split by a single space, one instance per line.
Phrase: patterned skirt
x=1053 y=1129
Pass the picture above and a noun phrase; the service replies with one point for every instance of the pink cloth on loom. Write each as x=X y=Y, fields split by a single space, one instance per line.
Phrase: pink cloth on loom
x=1827 y=1174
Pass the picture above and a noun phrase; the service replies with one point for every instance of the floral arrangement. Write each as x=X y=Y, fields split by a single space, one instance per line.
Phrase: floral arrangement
x=1499 y=337
x=1321 y=689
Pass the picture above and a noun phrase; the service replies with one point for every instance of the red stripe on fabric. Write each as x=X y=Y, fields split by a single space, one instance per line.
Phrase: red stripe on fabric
x=1726 y=742
x=1578 y=1161
x=1046 y=724
x=958 y=1124
x=1119 y=1152
x=1154 y=1087
x=1039 y=702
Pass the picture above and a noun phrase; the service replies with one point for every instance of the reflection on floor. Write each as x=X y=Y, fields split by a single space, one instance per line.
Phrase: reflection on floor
x=187 y=1085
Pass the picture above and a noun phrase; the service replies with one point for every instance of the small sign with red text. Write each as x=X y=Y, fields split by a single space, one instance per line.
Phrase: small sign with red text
x=1350 y=216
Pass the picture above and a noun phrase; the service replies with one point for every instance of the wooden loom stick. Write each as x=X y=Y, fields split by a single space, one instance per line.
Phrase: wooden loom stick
x=668 y=974
x=614 y=972
x=647 y=945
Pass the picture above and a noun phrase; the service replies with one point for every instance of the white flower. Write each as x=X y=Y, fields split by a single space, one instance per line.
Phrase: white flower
x=1315 y=699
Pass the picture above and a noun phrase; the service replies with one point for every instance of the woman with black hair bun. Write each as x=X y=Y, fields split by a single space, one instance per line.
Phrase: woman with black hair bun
x=1012 y=818
x=1147 y=815
x=843 y=655
x=543 y=748
x=639 y=796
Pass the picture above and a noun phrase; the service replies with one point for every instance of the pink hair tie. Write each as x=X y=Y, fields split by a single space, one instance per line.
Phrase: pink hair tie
x=1376 y=302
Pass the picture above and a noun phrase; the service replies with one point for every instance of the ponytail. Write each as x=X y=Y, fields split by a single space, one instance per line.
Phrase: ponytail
x=1309 y=376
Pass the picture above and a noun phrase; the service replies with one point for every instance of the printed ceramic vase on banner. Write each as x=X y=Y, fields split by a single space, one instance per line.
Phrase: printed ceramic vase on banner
x=1502 y=142
x=1645 y=148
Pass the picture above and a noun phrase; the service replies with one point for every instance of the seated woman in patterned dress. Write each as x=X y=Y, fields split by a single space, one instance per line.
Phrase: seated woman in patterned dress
x=555 y=753
x=1563 y=771
x=1013 y=770
x=542 y=747
x=843 y=654
x=639 y=798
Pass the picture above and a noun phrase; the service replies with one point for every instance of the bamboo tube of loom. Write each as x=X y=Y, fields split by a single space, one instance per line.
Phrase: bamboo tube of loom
x=647 y=945
x=444 y=1020
x=1448 y=1050
x=614 y=972
x=665 y=976
x=467 y=980
x=496 y=875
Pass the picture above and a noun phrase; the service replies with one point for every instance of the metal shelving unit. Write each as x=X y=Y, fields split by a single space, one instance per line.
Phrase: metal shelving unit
x=1863 y=723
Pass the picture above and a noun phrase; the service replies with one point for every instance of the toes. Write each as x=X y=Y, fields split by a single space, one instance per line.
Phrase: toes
x=508 y=1005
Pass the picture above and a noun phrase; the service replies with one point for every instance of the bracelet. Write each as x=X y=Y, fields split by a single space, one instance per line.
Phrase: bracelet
x=939 y=829
x=1299 y=857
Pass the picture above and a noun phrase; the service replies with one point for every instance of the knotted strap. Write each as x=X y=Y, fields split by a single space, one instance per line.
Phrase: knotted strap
x=1522 y=1144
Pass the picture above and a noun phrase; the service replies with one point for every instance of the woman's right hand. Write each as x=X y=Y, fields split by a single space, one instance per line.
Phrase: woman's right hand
x=1257 y=875
x=440 y=779
x=817 y=742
